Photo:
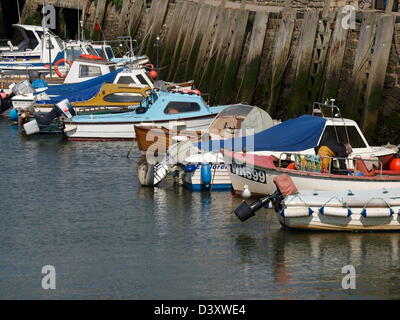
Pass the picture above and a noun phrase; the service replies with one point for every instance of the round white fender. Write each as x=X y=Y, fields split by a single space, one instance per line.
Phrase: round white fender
x=377 y=212
x=292 y=212
x=337 y=212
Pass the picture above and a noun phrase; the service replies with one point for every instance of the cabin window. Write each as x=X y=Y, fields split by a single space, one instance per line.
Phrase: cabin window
x=110 y=53
x=125 y=80
x=73 y=53
x=128 y=97
x=142 y=79
x=355 y=138
x=32 y=43
x=101 y=53
x=90 y=50
x=89 y=71
x=181 y=107
x=112 y=68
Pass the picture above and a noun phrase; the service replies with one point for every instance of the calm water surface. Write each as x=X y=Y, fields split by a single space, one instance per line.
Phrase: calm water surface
x=78 y=206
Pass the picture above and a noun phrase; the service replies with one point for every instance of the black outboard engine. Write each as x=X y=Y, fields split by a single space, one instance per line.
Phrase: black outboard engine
x=6 y=103
x=55 y=113
x=245 y=211
x=62 y=108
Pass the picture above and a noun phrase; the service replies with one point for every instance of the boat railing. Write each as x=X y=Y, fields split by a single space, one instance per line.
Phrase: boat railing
x=312 y=163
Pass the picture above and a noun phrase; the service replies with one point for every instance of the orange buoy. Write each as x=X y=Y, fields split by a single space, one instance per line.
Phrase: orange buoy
x=395 y=164
x=61 y=75
x=291 y=166
x=90 y=56
x=153 y=74
x=149 y=67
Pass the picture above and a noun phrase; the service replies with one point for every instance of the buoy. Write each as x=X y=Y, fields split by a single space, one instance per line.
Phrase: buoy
x=206 y=173
x=153 y=74
x=90 y=56
x=13 y=115
x=61 y=75
x=149 y=67
x=291 y=166
x=190 y=168
x=395 y=164
x=246 y=192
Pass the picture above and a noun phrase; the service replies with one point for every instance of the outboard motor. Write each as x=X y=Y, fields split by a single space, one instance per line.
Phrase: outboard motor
x=245 y=211
x=63 y=108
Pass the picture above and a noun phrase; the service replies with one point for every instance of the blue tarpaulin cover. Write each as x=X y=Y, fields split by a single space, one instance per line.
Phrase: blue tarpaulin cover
x=297 y=134
x=64 y=89
x=78 y=96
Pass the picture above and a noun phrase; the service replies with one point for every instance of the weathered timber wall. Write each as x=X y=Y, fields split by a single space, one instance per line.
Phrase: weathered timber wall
x=284 y=61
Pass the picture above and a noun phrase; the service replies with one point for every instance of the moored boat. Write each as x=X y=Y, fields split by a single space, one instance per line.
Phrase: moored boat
x=339 y=210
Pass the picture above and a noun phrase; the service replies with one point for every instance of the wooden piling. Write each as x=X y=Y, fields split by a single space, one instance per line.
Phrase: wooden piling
x=232 y=60
x=249 y=81
x=377 y=73
x=301 y=64
x=363 y=55
x=280 y=60
x=154 y=24
x=335 y=58
x=136 y=12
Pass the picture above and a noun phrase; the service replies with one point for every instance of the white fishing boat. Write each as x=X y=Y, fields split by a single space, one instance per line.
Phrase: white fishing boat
x=344 y=209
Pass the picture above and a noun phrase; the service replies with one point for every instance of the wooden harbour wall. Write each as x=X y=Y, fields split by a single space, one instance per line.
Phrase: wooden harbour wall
x=282 y=61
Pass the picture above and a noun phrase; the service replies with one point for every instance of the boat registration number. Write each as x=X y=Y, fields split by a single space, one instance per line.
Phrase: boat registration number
x=249 y=173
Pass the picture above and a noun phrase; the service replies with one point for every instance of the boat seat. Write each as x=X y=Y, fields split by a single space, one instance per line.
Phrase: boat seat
x=359 y=165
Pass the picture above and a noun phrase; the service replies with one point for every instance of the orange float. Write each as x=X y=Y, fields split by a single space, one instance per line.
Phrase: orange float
x=61 y=75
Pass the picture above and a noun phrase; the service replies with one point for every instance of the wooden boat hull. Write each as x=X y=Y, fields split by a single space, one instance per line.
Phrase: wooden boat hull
x=160 y=138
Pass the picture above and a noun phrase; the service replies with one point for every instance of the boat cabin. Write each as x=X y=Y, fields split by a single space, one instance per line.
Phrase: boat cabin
x=85 y=69
x=38 y=45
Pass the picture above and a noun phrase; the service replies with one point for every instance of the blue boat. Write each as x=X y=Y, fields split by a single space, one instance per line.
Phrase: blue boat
x=187 y=110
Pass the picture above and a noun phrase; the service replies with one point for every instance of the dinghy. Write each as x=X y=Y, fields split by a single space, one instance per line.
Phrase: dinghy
x=340 y=210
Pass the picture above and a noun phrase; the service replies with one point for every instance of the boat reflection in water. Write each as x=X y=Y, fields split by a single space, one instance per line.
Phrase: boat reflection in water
x=309 y=265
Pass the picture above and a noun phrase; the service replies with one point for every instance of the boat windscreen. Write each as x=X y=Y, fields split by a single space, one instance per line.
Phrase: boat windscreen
x=236 y=110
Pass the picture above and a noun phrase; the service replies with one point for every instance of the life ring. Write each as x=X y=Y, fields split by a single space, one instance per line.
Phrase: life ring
x=90 y=56
x=61 y=75
x=149 y=67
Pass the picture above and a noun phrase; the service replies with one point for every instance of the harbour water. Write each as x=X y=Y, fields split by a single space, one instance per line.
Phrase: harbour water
x=79 y=207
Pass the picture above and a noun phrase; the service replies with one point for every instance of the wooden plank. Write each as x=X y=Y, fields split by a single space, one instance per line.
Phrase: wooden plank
x=301 y=64
x=99 y=15
x=232 y=61
x=205 y=46
x=171 y=38
x=335 y=58
x=219 y=59
x=216 y=43
x=361 y=65
x=199 y=29
x=155 y=23
x=253 y=59
x=135 y=16
x=280 y=59
x=319 y=58
x=181 y=56
x=373 y=92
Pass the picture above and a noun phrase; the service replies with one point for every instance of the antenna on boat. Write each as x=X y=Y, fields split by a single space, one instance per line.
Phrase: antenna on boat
x=19 y=12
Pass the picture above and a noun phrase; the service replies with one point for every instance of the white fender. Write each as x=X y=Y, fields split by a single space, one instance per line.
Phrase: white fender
x=292 y=212
x=337 y=212
x=377 y=212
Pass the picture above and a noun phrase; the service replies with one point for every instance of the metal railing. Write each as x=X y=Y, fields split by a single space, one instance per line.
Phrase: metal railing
x=312 y=163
